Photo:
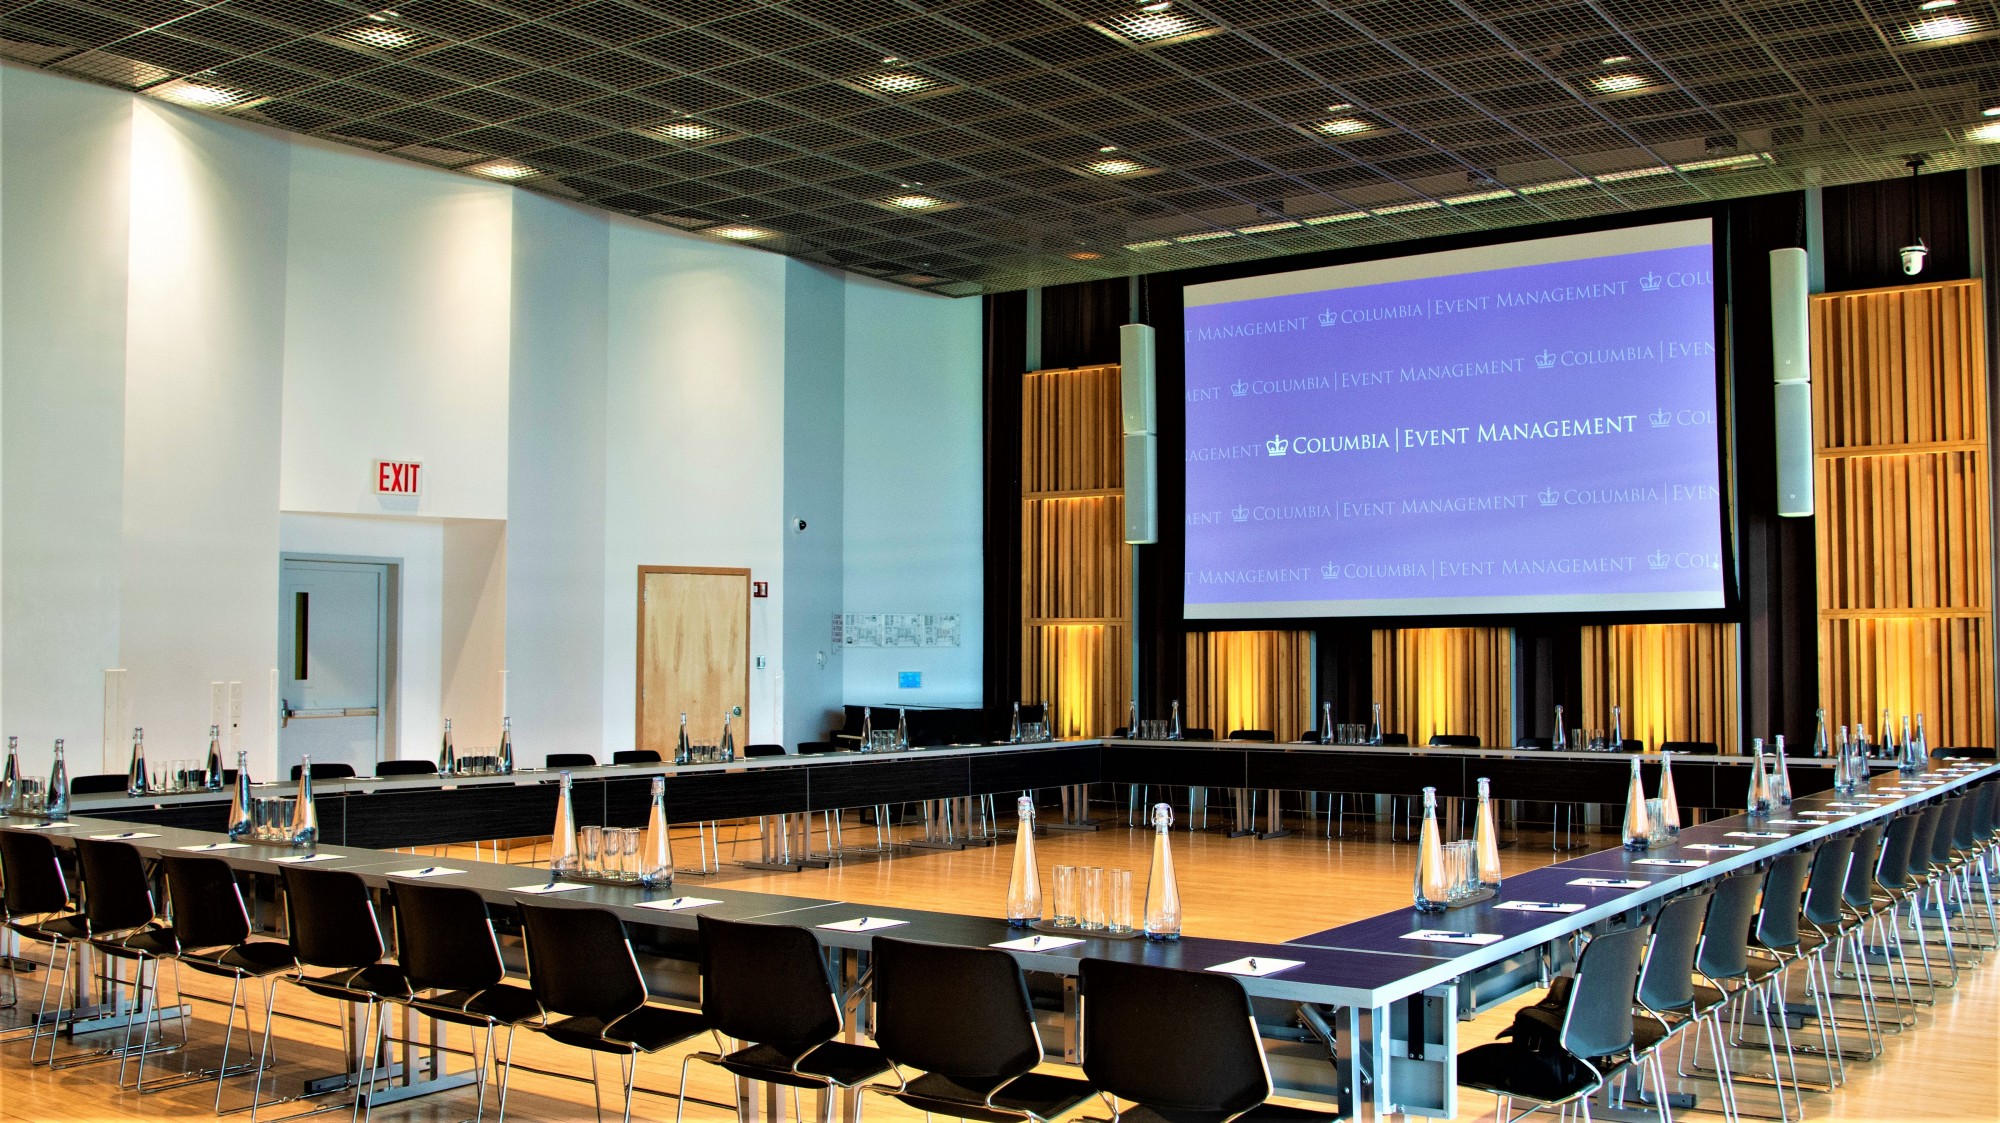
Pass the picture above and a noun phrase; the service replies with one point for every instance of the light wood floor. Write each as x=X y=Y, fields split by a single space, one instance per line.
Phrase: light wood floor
x=1948 y=1068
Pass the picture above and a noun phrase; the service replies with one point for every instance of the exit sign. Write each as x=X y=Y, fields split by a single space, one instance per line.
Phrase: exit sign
x=398 y=477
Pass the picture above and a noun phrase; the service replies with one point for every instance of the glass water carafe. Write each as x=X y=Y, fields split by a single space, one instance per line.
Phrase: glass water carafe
x=683 y=748
x=305 y=817
x=240 y=824
x=1024 y=881
x=1430 y=889
x=1921 y=745
x=58 y=796
x=1670 y=804
x=562 y=837
x=1013 y=727
x=1326 y=736
x=447 y=756
x=212 y=775
x=1861 y=744
x=1559 y=742
x=1375 y=725
x=1758 y=800
x=1821 y=746
x=1888 y=747
x=902 y=728
x=657 y=861
x=1843 y=762
x=135 y=768
x=1781 y=774
x=1915 y=757
x=1163 y=894
x=1638 y=832
x=505 y=758
x=725 y=749
x=1617 y=744
x=1174 y=721
x=1486 y=839
x=10 y=776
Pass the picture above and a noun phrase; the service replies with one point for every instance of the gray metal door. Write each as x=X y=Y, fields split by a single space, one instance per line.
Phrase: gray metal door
x=332 y=662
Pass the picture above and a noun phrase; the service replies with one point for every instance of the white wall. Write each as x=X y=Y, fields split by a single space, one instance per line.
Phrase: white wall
x=913 y=505
x=815 y=387
x=473 y=625
x=396 y=335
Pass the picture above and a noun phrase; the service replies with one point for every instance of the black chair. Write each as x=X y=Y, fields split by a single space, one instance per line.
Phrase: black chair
x=329 y=770
x=1723 y=958
x=101 y=783
x=753 y=751
x=1197 y=733
x=211 y=928
x=450 y=955
x=1775 y=945
x=1534 y=742
x=812 y=748
x=1454 y=740
x=1251 y=735
x=570 y=760
x=1595 y=1027
x=769 y=985
x=635 y=756
x=405 y=768
x=38 y=908
x=963 y=1018
x=119 y=910
x=331 y=923
x=1972 y=752
x=1180 y=1045
x=1396 y=740
x=1825 y=925
x=584 y=974
x=1701 y=748
x=1671 y=1000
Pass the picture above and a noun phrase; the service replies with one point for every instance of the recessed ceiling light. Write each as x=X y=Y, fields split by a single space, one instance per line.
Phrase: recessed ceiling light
x=503 y=169
x=382 y=36
x=914 y=202
x=1936 y=28
x=1156 y=5
x=1083 y=255
x=738 y=233
x=687 y=130
x=1988 y=133
x=202 y=96
x=1990 y=111
x=899 y=82
x=1343 y=126
x=1109 y=148
x=1114 y=167
x=1619 y=83
x=1614 y=60
x=1934 y=5
x=1152 y=24
x=1340 y=107
x=891 y=60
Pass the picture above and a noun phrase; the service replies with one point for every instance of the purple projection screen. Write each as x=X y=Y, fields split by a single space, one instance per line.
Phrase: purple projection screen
x=1528 y=427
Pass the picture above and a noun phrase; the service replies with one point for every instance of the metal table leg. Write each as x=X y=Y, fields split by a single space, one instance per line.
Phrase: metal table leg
x=1076 y=810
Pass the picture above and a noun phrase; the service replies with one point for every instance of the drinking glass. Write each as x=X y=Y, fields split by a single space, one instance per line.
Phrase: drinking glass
x=591 y=843
x=1576 y=740
x=1118 y=890
x=628 y=853
x=1093 y=897
x=33 y=802
x=281 y=822
x=1064 y=913
x=260 y=817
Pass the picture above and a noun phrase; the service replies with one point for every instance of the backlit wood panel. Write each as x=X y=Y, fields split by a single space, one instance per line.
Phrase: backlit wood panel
x=1249 y=680
x=1446 y=680
x=1075 y=567
x=1903 y=497
x=1671 y=682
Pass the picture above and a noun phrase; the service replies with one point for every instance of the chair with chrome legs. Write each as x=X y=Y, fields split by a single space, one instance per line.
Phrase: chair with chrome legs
x=1778 y=943
x=331 y=923
x=962 y=1018
x=451 y=957
x=585 y=975
x=1595 y=1029
x=118 y=906
x=1914 y=891
x=1827 y=924
x=1943 y=871
x=39 y=909
x=1177 y=1045
x=211 y=929
x=769 y=986
x=1723 y=960
x=1889 y=891
x=1672 y=1002
x=1970 y=845
x=1862 y=916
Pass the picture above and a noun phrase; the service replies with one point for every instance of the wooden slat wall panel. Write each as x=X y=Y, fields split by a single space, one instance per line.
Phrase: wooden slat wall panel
x=1250 y=680
x=1672 y=682
x=1904 y=526
x=1075 y=567
x=1446 y=680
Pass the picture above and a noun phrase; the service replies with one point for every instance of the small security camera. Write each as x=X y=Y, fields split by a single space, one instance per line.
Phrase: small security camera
x=798 y=526
x=1913 y=258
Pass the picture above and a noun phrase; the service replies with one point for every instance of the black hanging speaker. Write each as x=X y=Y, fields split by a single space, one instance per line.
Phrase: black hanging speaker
x=1791 y=369
x=1135 y=377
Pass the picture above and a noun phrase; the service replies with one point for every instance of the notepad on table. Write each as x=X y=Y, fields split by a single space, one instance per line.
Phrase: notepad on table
x=676 y=904
x=863 y=924
x=1611 y=882
x=127 y=836
x=1256 y=967
x=1444 y=936
x=550 y=887
x=1721 y=847
x=1677 y=863
x=1755 y=834
x=427 y=871
x=1564 y=908
x=205 y=847
x=308 y=859
x=1036 y=943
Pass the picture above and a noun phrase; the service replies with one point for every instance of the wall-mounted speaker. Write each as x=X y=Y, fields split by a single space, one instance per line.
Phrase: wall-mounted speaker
x=1795 y=449
x=1142 y=517
x=1791 y=369
x=1135 y=376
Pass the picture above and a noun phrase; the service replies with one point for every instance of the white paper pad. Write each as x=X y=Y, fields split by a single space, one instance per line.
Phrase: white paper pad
x=308 y=859
x=1793 y=822
x=863 y=924
x=1721 y=847
x=1756 y=834
x=427 y=871
x=126 y=837
x=1256 y=968
x=1035 y=943
x=557 y=887
x=1611 y=883
x=1824 y=814
x=1843 y=807
x=1539 y=906
x=41 y=826
x=676 y=904
x=1440 y=936
x=1677 y=863
x=205 y=847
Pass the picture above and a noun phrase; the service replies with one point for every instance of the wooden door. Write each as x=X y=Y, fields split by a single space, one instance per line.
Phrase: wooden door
x=694 y=654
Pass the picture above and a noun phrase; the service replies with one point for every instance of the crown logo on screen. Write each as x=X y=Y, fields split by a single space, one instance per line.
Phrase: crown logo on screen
x=1329 y=571
x=1549 y=496
x=1239 y=388
x=1327 y=318
x=1651 y=281
x=1240 y=514
x=1661 y=418
x=1275 y=446
x=1658 y=559
x=1546 y=359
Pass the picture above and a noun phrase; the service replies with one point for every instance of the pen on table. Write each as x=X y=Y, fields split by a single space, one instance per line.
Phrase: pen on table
x=426 y=871
x=1253 y=965
x=676 y=902
x=1036 y=942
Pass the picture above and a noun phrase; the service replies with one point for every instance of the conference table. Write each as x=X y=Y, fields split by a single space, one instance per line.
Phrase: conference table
x=1364 y=1020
